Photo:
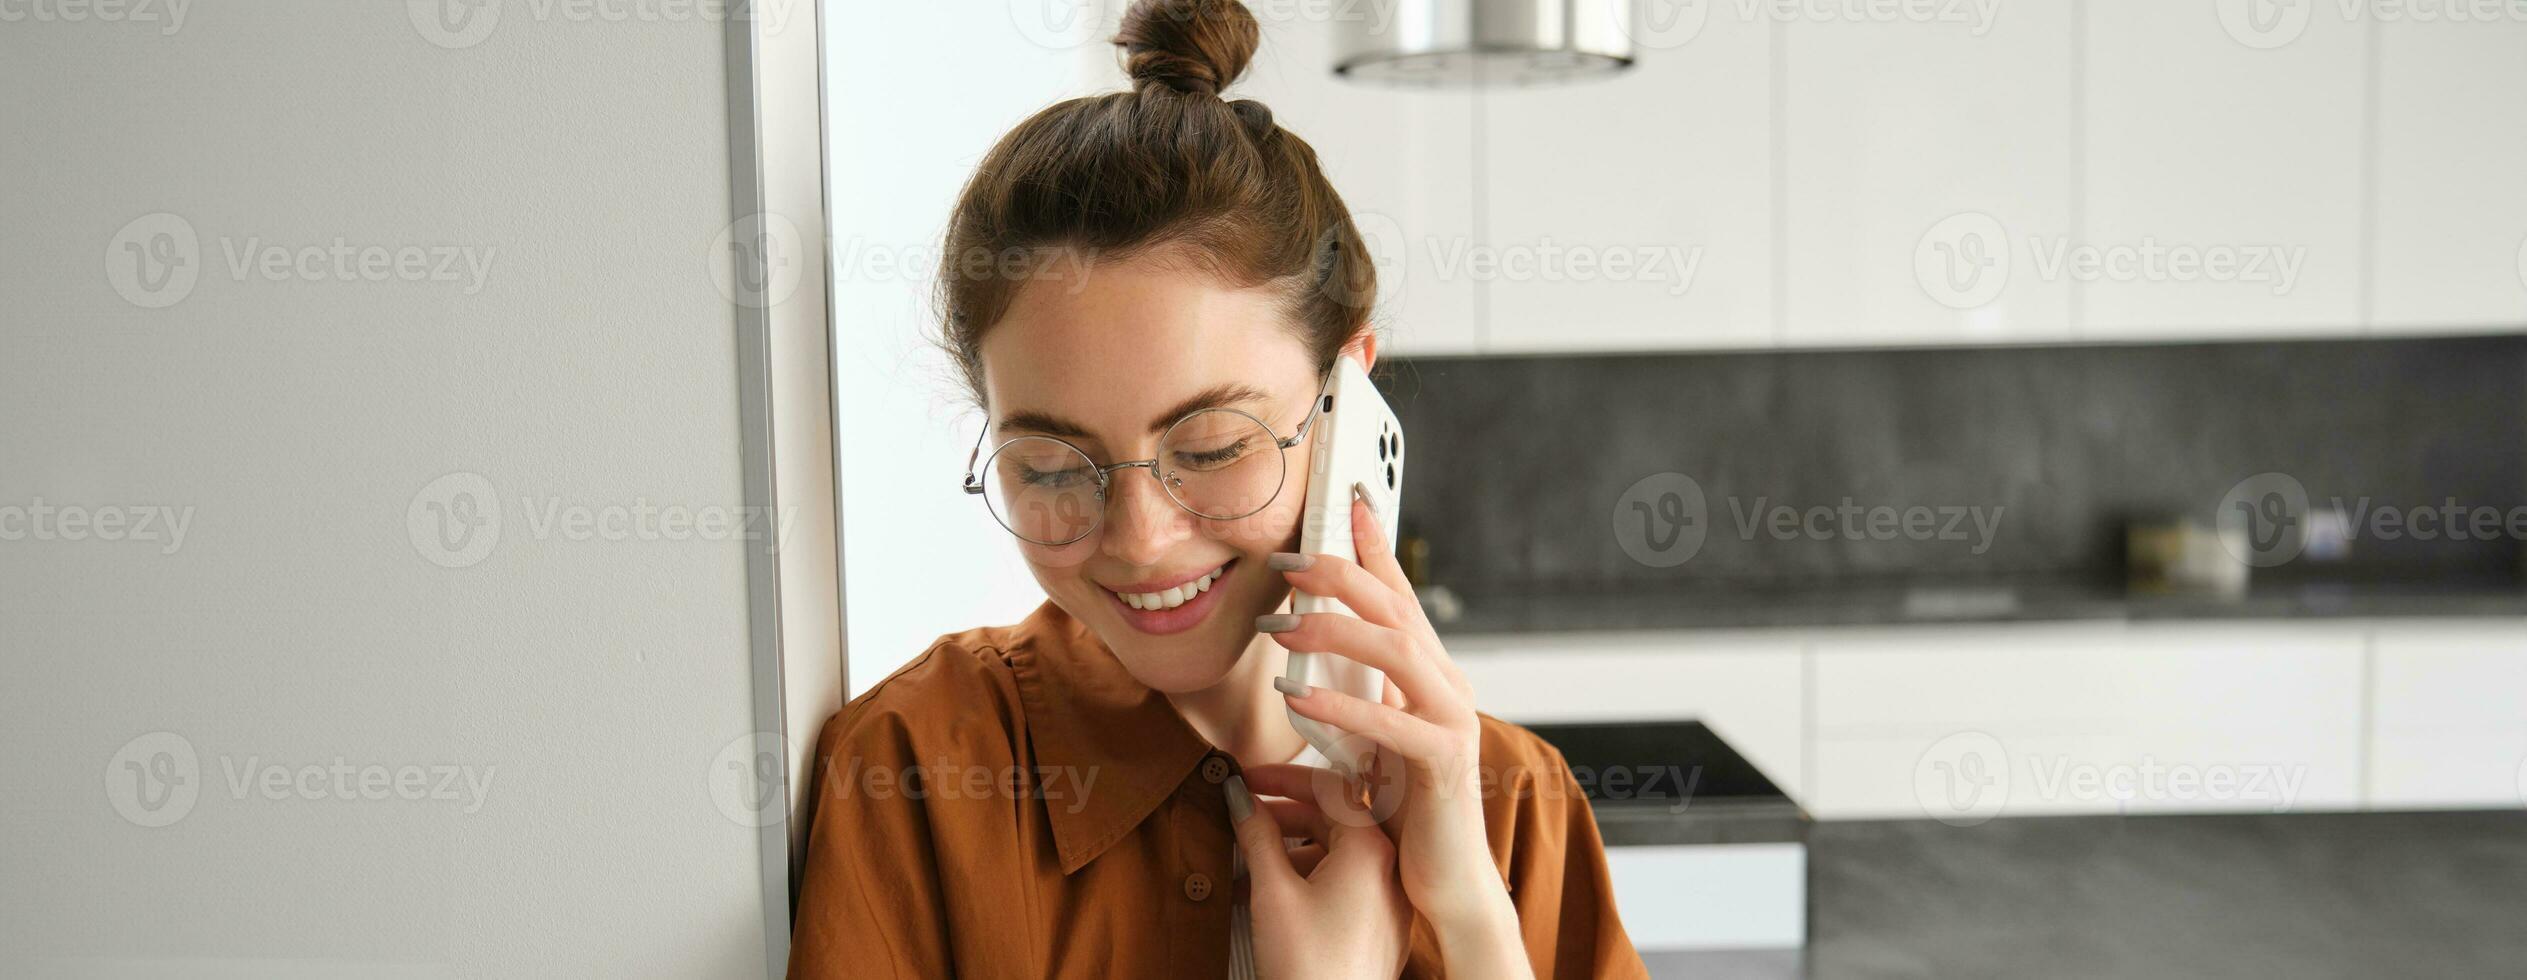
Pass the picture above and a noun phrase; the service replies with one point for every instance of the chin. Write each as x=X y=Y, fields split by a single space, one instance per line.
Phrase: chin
x=1190 y=647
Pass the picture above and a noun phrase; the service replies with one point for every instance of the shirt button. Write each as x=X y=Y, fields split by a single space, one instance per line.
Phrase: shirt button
x=1197 y=886
x=1215 y=769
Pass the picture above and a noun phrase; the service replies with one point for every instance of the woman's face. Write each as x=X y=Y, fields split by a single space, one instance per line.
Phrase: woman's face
x=1107 y=361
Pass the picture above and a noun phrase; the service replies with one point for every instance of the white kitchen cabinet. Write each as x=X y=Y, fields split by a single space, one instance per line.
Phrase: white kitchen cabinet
x=1924 y=160
x=1746 y=687
x=1635 y=213
x=2452 y=210
x=2450 y=709
x=2213 y=151
x=1969 y=723
x=1403 y=161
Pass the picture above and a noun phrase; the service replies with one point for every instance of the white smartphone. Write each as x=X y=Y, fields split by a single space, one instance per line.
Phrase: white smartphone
x=1357 y=442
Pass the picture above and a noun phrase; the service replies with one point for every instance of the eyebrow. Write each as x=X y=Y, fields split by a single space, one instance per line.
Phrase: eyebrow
x=1219 y=395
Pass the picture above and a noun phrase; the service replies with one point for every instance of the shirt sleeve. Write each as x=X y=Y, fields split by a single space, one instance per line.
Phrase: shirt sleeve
x=870 y=902
x=1559 y=882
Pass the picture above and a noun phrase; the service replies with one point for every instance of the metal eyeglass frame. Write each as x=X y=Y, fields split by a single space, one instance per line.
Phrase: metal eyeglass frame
x=974 y=484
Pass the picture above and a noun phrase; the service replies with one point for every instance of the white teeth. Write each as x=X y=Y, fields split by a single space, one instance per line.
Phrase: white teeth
x=1170 y=598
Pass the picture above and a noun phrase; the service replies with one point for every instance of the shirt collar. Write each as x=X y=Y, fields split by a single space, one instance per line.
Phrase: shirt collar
x=1087 y=715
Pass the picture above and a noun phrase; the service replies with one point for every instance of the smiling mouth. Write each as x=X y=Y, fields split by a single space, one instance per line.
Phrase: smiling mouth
x=1173 y=597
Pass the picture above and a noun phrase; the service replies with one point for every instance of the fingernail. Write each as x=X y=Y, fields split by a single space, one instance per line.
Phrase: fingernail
x=1276 y=622
x=1290 y=687
x=1241 y=804
x=1289 y=561
x=1360 y=492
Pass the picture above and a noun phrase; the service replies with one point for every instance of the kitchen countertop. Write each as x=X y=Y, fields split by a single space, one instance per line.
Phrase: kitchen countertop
x=1672 y=782
x=1739 y=608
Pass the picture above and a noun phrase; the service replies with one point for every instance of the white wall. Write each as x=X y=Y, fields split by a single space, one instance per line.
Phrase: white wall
x=916 y=93
x=298 y=422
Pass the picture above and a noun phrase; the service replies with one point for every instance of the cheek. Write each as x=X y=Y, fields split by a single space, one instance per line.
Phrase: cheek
x=1057 y=560
x=1274 y=528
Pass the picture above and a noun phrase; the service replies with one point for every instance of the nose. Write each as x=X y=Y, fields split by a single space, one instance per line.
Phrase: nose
x=1141 y=521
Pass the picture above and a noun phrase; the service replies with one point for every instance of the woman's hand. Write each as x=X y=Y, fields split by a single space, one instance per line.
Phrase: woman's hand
x=1332 y=909
x=1426 y=724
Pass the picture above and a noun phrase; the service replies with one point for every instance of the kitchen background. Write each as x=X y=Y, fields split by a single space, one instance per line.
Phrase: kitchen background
x=2059 y=469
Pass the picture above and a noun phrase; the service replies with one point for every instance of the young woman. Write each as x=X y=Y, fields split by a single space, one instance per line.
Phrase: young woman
x=1146 y=291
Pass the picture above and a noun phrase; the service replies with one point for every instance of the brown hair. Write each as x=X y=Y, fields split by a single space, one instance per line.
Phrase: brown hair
x=1169 y=163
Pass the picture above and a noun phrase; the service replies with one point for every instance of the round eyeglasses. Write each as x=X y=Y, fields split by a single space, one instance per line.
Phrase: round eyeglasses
x=1217 y=464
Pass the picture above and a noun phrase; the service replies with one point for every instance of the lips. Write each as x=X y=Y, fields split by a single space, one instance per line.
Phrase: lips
x=1162 y=607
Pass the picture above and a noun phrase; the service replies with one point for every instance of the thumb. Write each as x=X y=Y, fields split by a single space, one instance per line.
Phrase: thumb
x=1259 y=836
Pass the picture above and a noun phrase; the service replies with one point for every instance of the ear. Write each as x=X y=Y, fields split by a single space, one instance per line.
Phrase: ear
x=1363 y=348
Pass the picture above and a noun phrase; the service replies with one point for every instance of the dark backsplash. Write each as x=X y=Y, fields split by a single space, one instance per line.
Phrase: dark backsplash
x=1520 y=466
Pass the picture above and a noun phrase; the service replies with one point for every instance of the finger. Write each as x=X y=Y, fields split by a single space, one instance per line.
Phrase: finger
x=1368 y=540
x=1267 y=863
x=1288 y=780
x=1297 y=819
x=1363 y=849
x=1414 y=738
x=1391 y=650
x=1305 y=858
x=1341 y=578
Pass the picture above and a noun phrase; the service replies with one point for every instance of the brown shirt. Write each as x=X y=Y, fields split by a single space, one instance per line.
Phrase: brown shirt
x=1014 y=804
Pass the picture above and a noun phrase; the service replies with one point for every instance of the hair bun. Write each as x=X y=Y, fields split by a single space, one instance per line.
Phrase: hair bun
x=1193 y=46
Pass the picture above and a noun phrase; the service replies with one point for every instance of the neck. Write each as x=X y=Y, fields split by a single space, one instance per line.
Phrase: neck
x=1242 y=715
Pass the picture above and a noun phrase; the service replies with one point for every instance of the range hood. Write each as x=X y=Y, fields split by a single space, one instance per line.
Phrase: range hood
x=1465 y=43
